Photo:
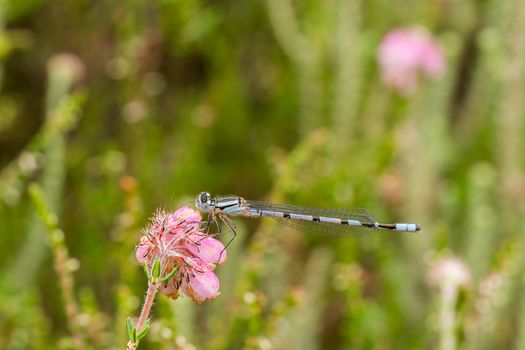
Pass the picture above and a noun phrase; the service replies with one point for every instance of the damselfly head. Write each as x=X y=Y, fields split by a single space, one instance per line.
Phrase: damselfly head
x=203 y=202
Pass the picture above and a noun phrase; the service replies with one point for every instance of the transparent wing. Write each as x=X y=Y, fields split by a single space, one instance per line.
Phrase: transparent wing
x=320 y=227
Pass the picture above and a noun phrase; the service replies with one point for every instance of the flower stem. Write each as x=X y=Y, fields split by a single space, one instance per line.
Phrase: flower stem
x=146 y=309
x=449 y=294
x=148 y=303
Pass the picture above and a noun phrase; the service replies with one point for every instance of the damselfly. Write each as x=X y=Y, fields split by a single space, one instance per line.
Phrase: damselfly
x=330 y=221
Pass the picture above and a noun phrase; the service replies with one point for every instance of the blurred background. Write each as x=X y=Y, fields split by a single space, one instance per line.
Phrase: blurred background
x=117 y=108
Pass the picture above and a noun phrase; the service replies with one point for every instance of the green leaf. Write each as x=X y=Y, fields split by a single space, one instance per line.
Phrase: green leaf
x=144 y=330
x=146 y=271
x=133 y=337
x=168 y=276
x=155 y=269
x=129 y=327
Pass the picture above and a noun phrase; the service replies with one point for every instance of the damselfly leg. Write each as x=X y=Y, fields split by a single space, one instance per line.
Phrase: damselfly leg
x=205 y=226
x=231 y=227
x=212 y=220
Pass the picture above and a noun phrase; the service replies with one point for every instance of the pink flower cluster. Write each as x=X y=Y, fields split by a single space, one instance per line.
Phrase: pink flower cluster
x=449 y=270
x=175 y=239
x=404 y=54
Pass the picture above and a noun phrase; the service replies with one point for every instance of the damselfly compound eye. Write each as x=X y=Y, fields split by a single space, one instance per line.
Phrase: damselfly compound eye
x=204 y=197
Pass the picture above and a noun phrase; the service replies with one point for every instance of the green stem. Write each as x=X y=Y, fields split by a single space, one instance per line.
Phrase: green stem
x=447 y=317
x=61 y=262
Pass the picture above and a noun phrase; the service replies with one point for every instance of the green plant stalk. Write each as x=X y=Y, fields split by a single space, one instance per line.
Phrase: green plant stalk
x=482 y=219
x=307 y=316
x=447 y=315
x=306 y=55
x=486 y=332
x=424 y=152
x=520 y=339
x=281 y=312
x=286 y=29
x=126 y=304
x=52 y=180
x=61 y=262
x=2 y=34
x=310 y=95
x=347 y=77
x=512 y=109
x=124 y=233
x=33 y=251
x=184 y=317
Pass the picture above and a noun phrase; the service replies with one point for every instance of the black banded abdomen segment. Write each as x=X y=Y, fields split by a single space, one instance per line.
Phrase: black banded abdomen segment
x=400 y=227
x=387 y=226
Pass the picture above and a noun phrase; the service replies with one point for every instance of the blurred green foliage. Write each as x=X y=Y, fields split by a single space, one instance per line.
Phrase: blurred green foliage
x=276 y=100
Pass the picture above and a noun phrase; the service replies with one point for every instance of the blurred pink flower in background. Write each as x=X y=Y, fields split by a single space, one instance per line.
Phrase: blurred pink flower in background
x=449 y=270
x=404 y=54
x=176 y=240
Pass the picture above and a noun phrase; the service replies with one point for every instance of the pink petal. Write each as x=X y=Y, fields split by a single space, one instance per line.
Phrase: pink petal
x=170 y=290
x=207 y=249
x=189 y=215
x=205 y=285
x=142 y=251
x=179 y=222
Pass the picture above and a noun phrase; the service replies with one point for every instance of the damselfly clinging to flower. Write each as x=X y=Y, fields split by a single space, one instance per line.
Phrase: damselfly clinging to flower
x=330 y=221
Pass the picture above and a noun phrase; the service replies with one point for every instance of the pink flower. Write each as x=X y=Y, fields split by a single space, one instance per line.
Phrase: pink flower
x=404 y=54
x=449 y=270
x=176 y=240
